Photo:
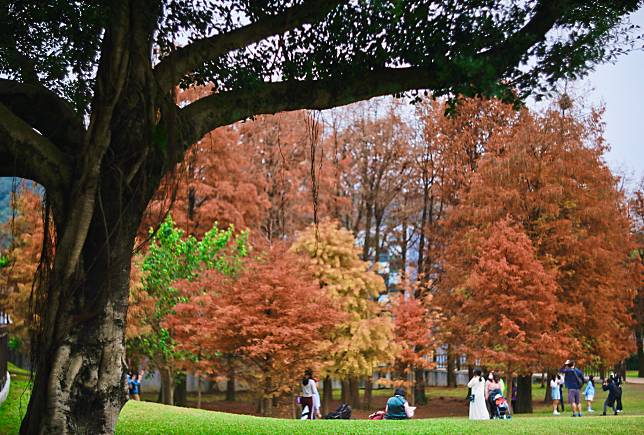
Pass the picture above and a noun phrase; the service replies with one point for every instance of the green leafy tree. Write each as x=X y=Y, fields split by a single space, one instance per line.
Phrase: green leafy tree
x=170 y=258
x=103 y=76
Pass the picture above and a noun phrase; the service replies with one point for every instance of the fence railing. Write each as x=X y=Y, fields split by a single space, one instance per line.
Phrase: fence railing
x=4 y=354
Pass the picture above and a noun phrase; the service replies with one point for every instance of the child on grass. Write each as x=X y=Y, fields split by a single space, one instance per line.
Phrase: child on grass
x=589 y=393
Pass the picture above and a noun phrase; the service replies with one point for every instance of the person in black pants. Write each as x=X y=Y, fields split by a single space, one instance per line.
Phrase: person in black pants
x=609 y=385
x=618 y=384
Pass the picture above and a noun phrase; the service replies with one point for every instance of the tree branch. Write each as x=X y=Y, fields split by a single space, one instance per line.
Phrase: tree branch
x=45 y=111
x=226 y=108
x=186 y=59
x=25 y=153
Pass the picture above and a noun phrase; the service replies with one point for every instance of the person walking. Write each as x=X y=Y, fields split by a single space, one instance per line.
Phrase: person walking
x=309 y=390
x=478 y=409
x=555 y=392
x=135 y=381
x=609 y=385
x=574 y=380
x=397 y=407
x=589 y=393
x=492 y=388
x=560 y=381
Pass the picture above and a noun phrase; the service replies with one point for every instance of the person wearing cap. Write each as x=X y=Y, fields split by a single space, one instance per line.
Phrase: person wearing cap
x=574 y=380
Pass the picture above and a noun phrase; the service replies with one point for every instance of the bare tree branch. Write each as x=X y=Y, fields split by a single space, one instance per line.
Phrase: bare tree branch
x=45 y=111
x=185 y=59
x=228 y=107
x=27 y=154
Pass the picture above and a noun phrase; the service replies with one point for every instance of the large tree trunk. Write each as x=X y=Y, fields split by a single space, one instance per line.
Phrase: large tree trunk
x=420 y=397
x=354 y=392
x=328 y=395
x=640 y=351
x=451 y=366
x=368 y=389
x=524 y=395
x=230 y=384
x=344 y=392
x=167 y=386
x=181 y=391
x=79 y=382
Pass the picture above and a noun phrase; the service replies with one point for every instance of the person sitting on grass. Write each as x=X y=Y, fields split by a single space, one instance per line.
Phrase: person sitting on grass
x=609 y=385
x=397 y=407
x=589 y=393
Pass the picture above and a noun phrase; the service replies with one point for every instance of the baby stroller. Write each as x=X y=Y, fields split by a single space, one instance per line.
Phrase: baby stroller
x=502 y=408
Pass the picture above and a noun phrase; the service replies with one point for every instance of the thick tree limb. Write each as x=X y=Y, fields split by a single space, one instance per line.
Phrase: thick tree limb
x=186 y=59
x=52 y=116
x=228 y=107
x=27 y=154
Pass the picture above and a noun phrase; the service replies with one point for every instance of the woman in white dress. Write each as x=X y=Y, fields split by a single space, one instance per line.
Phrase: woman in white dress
x=478 y=410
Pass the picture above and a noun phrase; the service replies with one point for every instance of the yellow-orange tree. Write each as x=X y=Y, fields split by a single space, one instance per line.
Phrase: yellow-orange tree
x=365 y=338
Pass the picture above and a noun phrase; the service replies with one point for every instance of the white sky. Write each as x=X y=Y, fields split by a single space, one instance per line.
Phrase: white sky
x=620 y=87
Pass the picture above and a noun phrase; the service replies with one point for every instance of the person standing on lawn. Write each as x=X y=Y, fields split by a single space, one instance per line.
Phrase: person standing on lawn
x=609 y=385
x=478 y=408
x=309 y=390
x=492 y=388
x=617 y=380
x=560 y=381
x=555 y=392
x=574 y=380
x=589 y=393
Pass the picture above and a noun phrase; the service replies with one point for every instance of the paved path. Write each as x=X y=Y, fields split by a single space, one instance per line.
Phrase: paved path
x=632 y=380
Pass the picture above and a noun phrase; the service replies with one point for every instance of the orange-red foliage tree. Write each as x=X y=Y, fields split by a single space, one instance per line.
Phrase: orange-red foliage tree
x=216 y=182
x=413 y=334
x=24 y=234
x=637 y=214
x=273 y=315
x=549 y=177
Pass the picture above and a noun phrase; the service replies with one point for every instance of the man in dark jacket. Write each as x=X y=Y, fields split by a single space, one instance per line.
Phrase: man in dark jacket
x=574 y=380
x=609 y=385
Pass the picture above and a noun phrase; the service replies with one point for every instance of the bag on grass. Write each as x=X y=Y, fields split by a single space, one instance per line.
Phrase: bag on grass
x=342 y=413
x=378 y=415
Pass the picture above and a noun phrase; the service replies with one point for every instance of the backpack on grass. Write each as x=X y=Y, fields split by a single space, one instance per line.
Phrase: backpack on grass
x=342 y=413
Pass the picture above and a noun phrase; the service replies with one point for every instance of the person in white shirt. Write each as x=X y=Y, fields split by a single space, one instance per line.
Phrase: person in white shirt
x=555 y=392
x=478 y=409
x=309 y=391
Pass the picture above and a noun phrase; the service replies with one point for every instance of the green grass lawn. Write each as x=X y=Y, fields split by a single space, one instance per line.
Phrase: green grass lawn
x=152 y=418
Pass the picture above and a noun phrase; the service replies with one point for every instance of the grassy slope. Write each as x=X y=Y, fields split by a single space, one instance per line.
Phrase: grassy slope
x=152 y=418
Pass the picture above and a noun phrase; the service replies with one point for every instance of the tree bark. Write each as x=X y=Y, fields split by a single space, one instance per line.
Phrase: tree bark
x=420 y=397
x=640 y=351
x=79 y=384
x=524 y=395
x=198 y=392
x=328 y=395
x=344 y=392
x=451 y=375
x=354 y=392
x=180 y=391
x=368 y=389
x=167 y=386
x=230 y=384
